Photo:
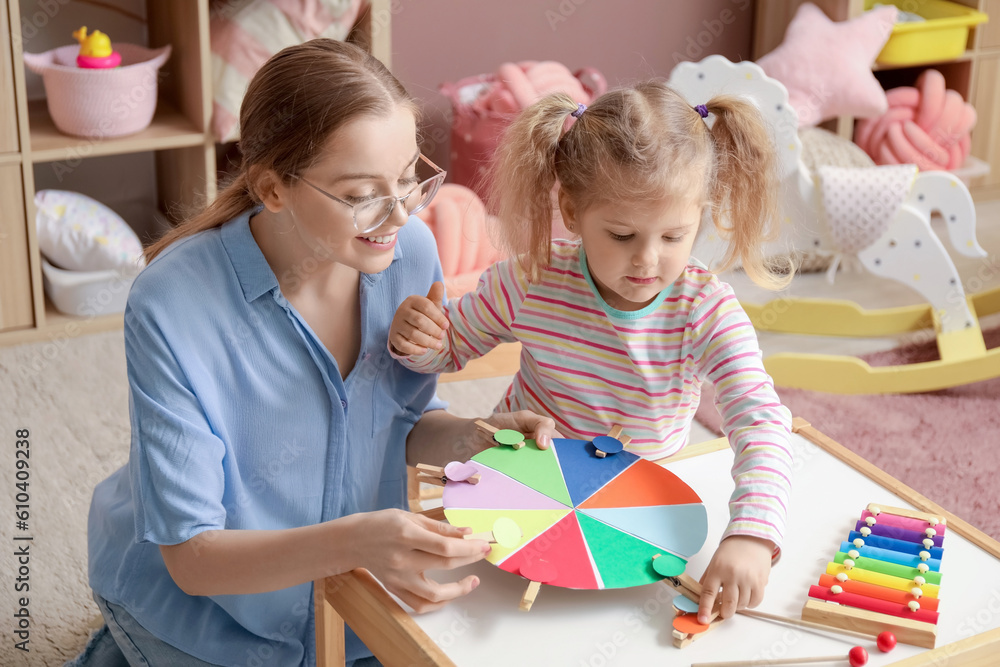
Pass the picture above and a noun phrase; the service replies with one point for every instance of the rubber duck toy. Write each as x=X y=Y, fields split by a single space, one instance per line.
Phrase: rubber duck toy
x=95 y=50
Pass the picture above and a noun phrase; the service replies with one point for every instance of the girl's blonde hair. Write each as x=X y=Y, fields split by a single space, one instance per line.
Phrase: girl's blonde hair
x=644 y=143
x=294 y=103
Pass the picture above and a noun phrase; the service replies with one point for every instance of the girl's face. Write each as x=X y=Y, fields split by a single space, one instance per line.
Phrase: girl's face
x=635 y=251
x=369 y=157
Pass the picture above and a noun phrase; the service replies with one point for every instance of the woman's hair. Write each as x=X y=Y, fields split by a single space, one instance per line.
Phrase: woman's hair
x=294 y=103
x=644 y=143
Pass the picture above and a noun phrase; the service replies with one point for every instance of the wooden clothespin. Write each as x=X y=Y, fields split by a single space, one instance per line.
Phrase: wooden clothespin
x=612 y=443
x=686 y=626
x=503 y=436
x=538 y=572
x=505 y=532
x=453 y=472
x=691 y=590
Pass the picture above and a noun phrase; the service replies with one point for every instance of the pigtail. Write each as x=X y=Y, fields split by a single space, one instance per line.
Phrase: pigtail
x=744 y=191
x=521 y=181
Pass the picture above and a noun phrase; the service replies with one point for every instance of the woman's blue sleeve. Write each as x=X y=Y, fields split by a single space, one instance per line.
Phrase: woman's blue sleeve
x=175 y=460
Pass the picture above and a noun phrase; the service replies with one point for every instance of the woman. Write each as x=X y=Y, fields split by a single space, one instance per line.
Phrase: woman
x=268 y=419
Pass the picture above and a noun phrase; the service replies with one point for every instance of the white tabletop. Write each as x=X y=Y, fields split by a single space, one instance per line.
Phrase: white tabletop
x=633 y=626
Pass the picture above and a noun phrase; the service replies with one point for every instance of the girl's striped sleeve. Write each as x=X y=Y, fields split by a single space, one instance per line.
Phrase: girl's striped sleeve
x=479 y=320
x=757 y=424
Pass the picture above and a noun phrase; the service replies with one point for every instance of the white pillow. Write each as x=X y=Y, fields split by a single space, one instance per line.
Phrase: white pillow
x=78 y=233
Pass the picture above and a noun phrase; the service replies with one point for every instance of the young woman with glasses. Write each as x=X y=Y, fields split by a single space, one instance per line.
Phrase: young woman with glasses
x=270 y=426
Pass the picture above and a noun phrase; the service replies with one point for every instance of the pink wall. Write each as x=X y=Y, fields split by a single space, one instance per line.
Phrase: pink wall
x=435 y=41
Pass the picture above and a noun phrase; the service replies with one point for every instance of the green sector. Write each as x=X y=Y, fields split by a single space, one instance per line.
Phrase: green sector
x=534 y=467
x=624 y=560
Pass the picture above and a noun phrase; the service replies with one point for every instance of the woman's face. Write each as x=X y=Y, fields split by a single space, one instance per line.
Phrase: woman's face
x=372 y=156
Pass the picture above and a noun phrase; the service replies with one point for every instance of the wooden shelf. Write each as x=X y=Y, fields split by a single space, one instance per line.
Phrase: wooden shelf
x=973 y=74
x=169 y=129
x=59 y=326
x=57 y=323
x=179 y=138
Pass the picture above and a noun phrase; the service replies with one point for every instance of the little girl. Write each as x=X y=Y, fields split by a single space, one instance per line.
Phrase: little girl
x=622 y=325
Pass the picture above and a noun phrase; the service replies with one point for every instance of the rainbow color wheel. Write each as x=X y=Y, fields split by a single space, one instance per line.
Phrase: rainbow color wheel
x=589 y=522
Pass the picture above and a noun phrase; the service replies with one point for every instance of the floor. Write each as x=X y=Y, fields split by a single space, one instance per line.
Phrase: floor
x=480 y=395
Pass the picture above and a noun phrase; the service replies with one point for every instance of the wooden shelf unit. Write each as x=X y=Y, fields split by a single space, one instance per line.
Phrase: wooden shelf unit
x=975 y=74
x=179 y=137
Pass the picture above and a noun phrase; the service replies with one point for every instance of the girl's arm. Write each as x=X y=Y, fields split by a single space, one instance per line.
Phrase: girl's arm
x=757 y=424
x=470 y=326
x=758 y=428
x=396 y=546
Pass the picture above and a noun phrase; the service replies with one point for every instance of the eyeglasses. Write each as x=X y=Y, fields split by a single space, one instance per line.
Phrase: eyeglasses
x=369 y=215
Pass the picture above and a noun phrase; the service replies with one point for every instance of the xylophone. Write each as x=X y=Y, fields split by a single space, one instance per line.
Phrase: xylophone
x=886 y=576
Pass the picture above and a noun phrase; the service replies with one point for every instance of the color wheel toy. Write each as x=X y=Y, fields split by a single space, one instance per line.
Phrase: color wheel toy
x=586 y=521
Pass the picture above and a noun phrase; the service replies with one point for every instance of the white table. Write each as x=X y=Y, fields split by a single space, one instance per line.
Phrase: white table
x=831 y=486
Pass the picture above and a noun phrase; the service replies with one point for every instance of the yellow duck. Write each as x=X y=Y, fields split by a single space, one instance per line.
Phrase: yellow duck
x=94 y=45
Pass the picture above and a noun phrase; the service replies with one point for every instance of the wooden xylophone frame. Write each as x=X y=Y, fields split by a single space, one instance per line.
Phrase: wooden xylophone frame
x=908 y=631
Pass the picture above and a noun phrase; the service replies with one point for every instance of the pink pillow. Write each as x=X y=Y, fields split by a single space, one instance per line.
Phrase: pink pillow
x=826 y=65
x=245 y=34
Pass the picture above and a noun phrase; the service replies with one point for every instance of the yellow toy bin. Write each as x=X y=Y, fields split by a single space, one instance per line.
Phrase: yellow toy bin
x=942 y=36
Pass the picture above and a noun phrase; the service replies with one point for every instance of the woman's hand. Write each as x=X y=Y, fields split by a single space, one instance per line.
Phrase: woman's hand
x=419 y=323
x=534 y=426
x=740 y=567
x=399 y=547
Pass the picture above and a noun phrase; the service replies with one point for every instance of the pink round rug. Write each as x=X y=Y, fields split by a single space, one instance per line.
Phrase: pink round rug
x=944 y=444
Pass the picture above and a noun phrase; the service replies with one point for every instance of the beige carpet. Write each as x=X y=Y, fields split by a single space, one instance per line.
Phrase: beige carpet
x=73 y=399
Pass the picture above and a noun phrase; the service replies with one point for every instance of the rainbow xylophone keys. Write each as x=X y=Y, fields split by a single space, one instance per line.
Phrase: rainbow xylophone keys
x=886 y=576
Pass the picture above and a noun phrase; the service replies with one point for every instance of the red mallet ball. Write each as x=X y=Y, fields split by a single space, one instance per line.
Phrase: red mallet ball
x=858 y=656
x=886 y=641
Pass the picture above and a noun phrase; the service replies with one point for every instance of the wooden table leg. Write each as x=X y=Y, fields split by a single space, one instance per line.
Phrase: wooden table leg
x=356 y=598
x=329 y=629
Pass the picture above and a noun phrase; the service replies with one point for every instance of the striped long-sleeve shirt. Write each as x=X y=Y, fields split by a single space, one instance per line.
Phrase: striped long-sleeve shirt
x=589 y=367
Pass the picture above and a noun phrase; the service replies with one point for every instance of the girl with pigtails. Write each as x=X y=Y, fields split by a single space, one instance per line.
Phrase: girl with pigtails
x=620 y=326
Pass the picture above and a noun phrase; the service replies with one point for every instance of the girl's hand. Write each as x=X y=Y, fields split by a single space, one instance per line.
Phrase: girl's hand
x=740 y=567
x=399 y=547
x=532 y=425
x=419 y=323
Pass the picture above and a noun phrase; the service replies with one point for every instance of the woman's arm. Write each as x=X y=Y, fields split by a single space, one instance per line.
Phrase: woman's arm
x=439 y=437
x=396 y=546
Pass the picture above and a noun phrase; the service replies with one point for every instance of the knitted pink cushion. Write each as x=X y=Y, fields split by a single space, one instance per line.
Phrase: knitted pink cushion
x=926 y=125
x=100 y=103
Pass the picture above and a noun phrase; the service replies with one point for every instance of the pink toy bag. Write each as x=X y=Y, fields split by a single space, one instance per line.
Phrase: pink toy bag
x=483 y=105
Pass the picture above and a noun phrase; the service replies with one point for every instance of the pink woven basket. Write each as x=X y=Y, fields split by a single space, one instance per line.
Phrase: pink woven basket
x=100 y=103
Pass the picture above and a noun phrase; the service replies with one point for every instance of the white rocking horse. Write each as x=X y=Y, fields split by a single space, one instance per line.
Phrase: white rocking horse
x=881 y=216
